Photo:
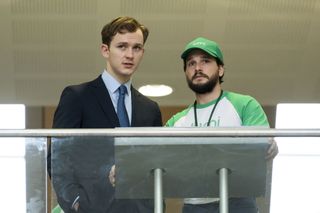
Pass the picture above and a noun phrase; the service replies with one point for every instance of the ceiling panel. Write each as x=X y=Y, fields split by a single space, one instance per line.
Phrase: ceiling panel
x=271 y=47
x=62 y=7
x=163 y=7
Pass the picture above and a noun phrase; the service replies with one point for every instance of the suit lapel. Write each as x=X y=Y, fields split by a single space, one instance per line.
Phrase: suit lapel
x=135 y=103
x=104 y=100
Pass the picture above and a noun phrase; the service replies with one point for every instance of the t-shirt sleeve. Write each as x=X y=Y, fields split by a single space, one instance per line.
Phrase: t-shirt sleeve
x=254 y=115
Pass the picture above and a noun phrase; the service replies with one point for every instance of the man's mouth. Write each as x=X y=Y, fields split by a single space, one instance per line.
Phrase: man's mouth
x=199 y=76
x=128 y=64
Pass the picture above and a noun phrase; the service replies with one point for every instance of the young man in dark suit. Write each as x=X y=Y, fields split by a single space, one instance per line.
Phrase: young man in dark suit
x=80 y=169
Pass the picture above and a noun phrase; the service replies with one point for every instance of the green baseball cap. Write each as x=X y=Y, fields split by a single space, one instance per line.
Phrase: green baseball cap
x=210 y=47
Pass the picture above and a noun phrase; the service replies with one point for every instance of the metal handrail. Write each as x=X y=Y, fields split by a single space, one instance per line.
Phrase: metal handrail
x=163 y=132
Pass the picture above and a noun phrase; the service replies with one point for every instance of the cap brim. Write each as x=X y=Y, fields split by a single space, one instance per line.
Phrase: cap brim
x=185 y=54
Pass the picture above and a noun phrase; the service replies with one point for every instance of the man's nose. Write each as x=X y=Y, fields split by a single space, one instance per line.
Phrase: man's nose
x=198 y=66
x=129 y=53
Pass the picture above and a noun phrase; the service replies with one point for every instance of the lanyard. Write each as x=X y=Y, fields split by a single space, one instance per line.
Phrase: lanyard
x=212 y=111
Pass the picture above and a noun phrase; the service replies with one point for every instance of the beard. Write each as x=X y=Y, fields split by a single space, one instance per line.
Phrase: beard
x=203 y=88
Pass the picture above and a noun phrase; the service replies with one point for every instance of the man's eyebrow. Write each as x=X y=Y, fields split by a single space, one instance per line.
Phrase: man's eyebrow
x=189 y=58
x=206 y=57
x=202 y=57
x=138 y=44
x=122 y=42
x=127 y=43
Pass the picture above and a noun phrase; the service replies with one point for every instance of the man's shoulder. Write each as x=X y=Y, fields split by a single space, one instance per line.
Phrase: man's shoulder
x=248 y=108
x=178 y=116
x=237 y=96
x=142 y=98
x=239 y=99
x=81 y=87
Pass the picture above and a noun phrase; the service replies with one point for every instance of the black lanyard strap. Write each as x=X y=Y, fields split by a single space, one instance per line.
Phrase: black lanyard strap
x=212 y=111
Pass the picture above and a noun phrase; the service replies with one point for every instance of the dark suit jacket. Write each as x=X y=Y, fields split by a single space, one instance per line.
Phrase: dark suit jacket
x=80 y=165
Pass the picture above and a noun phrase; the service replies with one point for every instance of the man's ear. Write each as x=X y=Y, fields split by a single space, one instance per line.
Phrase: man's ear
x=221 y=71
x=105 y=50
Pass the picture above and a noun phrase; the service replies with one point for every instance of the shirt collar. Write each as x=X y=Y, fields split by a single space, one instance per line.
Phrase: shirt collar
x=112 y=84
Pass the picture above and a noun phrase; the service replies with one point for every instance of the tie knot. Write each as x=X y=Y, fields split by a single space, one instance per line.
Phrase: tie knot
x=122 y=90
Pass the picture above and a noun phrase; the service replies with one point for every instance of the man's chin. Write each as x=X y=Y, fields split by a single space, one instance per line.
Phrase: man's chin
x=128 y=70
x=199 y=82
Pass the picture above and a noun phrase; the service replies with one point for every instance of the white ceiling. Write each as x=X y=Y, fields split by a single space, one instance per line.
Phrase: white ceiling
x=271 y=47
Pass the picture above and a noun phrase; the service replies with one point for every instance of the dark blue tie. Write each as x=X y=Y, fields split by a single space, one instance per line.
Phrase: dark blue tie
x=121 y=108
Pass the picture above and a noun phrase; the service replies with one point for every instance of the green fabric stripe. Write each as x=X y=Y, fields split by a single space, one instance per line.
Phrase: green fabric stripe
x=248 y=108
x=176 y=117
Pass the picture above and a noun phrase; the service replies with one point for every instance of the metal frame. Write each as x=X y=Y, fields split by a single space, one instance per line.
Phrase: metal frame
x=164 y=132
x=168 y=132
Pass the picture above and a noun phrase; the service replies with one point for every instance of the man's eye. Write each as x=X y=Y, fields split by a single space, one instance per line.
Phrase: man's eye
x=137 y=48
x=122 y=47
x=191 y=63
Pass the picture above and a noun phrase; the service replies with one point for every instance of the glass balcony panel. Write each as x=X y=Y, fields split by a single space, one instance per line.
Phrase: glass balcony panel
x=23 y=181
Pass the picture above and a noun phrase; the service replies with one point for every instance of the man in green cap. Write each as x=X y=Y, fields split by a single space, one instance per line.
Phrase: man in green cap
x=214 y=107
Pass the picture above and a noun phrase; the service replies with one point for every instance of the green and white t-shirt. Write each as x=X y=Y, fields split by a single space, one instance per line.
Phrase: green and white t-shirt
x=233 y=110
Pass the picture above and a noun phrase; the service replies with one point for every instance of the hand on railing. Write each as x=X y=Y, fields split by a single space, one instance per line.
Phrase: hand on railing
x=272 y=150
x=76 y=206
x=112 y=176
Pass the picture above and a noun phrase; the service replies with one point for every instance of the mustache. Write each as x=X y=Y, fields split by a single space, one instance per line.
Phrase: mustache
x=199 y=75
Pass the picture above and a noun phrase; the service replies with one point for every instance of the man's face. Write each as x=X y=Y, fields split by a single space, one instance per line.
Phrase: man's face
x=202 y=71
x=124 y=54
